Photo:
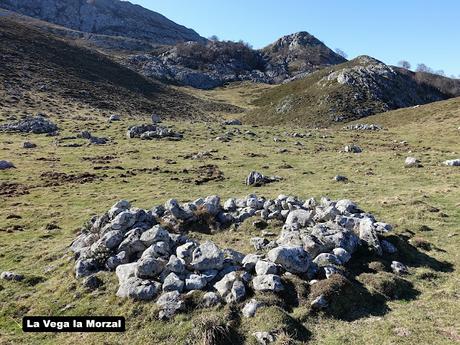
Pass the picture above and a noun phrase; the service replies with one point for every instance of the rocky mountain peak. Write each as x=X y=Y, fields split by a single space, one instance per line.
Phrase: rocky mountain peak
x=295 y=41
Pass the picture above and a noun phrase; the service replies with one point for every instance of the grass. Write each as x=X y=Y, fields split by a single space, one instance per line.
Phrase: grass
x=378 y=182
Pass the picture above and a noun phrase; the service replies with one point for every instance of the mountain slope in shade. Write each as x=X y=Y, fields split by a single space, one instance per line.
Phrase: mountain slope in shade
x=37 y=68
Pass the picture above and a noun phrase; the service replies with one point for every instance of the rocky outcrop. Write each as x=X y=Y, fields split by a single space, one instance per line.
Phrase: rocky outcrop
x=211 y=64
x=105 y=17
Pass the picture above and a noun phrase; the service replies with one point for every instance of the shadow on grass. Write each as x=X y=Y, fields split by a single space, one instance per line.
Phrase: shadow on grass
x=367 y=284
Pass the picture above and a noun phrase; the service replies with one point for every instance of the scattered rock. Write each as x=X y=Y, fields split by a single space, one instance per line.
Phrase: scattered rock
x=399 y=268
x=292 y=259
x=114 y=117
x=28 y=145
x=340 y=178
x=264 y=338
x=207 y=257
x=92 y=283
x=11 y=276
x=250 y=308
x=155 y=118
x=256 y=179
x=319 y=302
x=4 y=165
x=233 y=122
x=452 y=162
x=412 y=162
x=268 y=282
x=353 y=148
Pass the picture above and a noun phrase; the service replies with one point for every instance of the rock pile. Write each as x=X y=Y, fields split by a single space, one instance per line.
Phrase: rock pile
x=363 y=127
x=315 y=242
x=36 y=125
x=152 y=131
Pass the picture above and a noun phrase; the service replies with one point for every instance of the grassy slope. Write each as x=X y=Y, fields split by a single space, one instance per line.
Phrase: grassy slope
x=379 y=183
x=308 y=103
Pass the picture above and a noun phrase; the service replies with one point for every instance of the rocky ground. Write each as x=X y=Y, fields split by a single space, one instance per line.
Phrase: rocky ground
x=59 y=182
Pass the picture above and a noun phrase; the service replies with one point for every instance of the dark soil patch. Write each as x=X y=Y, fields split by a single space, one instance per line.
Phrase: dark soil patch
x=48 y=159
x=99 y=159
x=108 y=167
x=254 y=155
x=53 y=178
x=13 y=189
x=13 y=228
x=205 y=173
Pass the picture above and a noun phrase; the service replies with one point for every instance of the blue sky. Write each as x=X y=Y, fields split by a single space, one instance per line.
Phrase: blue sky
x=420 y=31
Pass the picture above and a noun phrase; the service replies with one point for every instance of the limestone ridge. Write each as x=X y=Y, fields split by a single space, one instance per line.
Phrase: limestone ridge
x=105 y=17
x=214 y=63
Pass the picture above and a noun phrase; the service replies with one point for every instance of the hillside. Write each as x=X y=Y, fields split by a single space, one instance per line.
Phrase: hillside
x=38 y=71
x=352 y=90
x=105 y=17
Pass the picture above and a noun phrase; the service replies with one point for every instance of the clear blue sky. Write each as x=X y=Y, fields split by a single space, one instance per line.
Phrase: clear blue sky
x=390 y=30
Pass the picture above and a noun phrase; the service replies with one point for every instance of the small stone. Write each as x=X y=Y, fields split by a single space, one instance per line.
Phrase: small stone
x=399 y=268
x=353 y=148
x=342 y=255
x=211 y=299
x=196 y=282
x=264 y=338
x=29 y=145
x=92 y=283
x=11 y=276
x=265 y=267
x=452 y=162
x=4 y=165
x=173 y=283
x=412 y=162
x=207 y=256
x=340 y=178
x=268 y=282
x=250 y=308
x=319 y=302
x=293 y=259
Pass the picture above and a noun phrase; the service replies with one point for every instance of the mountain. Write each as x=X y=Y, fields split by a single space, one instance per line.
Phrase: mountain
x=39 y=72
x=206 y=65
x=106 y=18
x=352 y=90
